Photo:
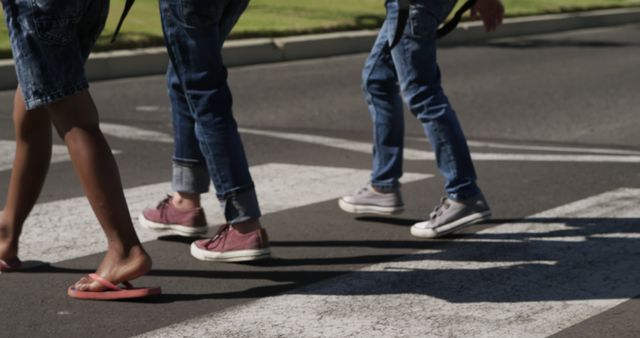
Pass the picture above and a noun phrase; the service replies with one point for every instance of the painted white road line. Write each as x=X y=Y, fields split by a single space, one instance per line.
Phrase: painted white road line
x=133 y=133
x=457 y=292
x=495 y=145
x=360 y=147
x=8 y=148
x=554 y=158
x=414 y=154
x=67 y=229
x=149 y=108
x=596 y=155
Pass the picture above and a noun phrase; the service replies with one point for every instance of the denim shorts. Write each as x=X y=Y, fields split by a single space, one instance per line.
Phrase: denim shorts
x=51 y=41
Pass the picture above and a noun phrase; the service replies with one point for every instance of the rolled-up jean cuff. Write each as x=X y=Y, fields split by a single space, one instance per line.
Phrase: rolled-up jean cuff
x=190 y=178
x=241 y=206
x=464 y=194
x=386 y=187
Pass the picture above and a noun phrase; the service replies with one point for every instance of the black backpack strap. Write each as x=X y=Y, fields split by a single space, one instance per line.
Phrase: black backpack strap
x=404 y=6
x=127 y=8
x=451 y=25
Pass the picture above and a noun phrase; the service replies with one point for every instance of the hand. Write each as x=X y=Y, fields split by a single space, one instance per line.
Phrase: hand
x=490 y=11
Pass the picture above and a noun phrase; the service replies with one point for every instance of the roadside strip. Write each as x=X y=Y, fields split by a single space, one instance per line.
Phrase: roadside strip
x=153 y=61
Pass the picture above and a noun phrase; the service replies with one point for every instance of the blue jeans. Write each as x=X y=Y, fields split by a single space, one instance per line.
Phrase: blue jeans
x=51 y=41
x=411 y=67
x=207 y=143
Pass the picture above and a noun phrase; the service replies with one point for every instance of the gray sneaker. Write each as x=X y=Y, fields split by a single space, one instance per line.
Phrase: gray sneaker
x=450 y=216
x=368 y=201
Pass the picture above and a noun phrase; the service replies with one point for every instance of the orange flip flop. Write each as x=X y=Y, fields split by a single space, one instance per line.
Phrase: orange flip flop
x=10 y=265
x=113 y=292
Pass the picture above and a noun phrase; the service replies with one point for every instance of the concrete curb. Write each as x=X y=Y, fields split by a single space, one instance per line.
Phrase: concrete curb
x=153 y=61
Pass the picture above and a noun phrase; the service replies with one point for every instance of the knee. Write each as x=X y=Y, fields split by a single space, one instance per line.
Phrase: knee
x=421 y=94
x=427 y=103
x=74 y=114
x=365 y=82
x=75 y=134
x=376 y=85
x=379 y=76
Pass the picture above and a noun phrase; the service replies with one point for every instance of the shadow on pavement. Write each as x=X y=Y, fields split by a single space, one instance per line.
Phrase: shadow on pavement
x=389 y=220
x=585 y=258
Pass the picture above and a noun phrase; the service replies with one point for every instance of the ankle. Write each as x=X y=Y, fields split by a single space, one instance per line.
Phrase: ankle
x=8 y=248
x=8 y=234
x=248 y=226
x=118 y=266
x=124 y=250
x=134 y=255
x=183 y=200
x=6 y=227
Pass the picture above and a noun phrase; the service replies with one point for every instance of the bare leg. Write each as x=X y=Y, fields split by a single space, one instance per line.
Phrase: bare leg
x=76 y=120
x=248 y=226
x=30 y=165
x=185 y=200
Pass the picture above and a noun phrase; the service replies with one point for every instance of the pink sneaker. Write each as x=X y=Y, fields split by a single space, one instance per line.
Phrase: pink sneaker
x=169 y=219
x=229 y=245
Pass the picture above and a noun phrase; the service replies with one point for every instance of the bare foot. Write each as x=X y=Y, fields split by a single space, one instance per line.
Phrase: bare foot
x=118 y=268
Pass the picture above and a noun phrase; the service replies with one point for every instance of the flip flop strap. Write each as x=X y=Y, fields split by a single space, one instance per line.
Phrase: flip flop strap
x=107 y=284
x=4 y=265
x=13 y=263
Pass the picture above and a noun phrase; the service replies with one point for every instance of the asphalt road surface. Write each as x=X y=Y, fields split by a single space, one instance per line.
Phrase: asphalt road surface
x=552 y=122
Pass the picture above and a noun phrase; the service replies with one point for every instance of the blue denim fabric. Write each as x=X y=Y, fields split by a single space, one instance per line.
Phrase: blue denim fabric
x=207 y=142
x=411 y=68
x=51 y=40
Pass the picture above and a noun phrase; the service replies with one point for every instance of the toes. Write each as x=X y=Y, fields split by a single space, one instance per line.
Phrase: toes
x=82 y=282
x=88 y=284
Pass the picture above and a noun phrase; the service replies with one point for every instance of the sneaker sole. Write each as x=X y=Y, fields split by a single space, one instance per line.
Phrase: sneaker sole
x=174 y=229
x=368 y=209
x=232 y=256
x=451 y=227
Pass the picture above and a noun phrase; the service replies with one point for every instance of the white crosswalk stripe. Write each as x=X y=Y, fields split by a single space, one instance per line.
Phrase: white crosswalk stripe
x=8 y=148
x=133 y=133
x=571 y=154
x=495 y=145
x=415 y=154
x=528 y=278
x=67 y=229
x=520 y=287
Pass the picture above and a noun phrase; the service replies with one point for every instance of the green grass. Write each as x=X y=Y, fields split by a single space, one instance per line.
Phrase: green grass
x=287 y=17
